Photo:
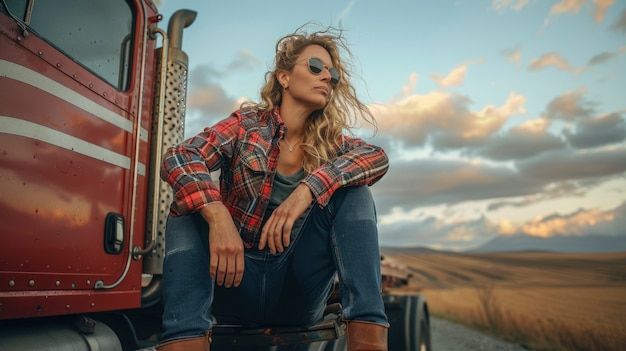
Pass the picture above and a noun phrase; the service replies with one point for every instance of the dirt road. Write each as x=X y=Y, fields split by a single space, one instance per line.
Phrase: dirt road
x=448 y=336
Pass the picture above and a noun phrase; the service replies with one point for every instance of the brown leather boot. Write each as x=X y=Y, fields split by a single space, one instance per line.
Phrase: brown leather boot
x=366 y=336
x=201 y=343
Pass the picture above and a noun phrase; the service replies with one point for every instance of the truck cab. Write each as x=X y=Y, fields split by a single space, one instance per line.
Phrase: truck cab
x=82 y=125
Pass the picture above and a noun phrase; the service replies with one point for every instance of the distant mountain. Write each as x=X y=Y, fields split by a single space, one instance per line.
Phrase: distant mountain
x=406 y=250
x=522 y=242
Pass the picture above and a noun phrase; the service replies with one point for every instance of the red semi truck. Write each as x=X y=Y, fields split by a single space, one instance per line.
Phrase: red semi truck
x=91 y=93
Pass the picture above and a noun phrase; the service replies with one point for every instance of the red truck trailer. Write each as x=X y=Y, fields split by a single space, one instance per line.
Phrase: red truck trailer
x=91 y=93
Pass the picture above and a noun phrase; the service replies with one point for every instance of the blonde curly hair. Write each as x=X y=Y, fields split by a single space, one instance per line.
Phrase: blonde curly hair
x=325 y=127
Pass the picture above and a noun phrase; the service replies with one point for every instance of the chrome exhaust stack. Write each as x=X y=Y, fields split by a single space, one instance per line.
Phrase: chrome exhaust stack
x=168 y=129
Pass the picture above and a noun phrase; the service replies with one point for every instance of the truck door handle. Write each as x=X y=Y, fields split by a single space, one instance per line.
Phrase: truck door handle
x=114 y=233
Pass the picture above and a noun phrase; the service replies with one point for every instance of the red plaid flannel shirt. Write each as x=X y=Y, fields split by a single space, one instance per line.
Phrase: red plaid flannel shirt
x=244 y=147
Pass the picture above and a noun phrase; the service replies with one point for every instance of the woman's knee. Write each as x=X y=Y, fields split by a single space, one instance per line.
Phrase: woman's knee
x=357 y=201
x=185 y=233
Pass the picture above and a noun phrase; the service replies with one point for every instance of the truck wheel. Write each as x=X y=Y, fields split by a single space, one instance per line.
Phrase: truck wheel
x=409 y=325
x=423 y=342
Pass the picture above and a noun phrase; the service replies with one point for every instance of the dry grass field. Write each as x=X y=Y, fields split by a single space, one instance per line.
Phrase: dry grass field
x=544 y=301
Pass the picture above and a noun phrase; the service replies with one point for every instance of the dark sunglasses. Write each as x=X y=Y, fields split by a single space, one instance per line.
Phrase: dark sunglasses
x=316 y=66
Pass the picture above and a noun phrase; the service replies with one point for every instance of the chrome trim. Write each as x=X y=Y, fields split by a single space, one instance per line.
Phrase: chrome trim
x=174 y=95
x=133 y=207
x=29 y=12
x=180 y=19
x=154 y=178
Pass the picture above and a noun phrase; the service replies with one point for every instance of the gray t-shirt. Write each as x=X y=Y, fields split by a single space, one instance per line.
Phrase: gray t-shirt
x=282 y=187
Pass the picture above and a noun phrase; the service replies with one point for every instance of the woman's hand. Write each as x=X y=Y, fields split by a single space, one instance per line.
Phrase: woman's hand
x=225 y=246
x=276 y=232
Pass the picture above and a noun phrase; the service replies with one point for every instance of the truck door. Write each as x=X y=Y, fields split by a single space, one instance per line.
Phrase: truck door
x=76 y=80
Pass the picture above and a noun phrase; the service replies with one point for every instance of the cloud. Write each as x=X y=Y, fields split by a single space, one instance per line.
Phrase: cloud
x=570 y=106
x=425 y=182
x=410 y=85
x=562 y=165
x=553 y=59
x=523 y=166
x=599 y=131
x=567 y=6
x=501 y=5
x=437 y=232
x=346 y=10
x=562 y=7
x=207 y=100
x=513 y=55
x=431 y=182
x=574 y=6
x=620 y=24
x=211 y=99
x=581 y=222
x=244 y=61
x=460 y=234
x=601 y=7
x=551 y=191
x=455 y=77
x=414 y=117
x=527 y=140
x=444 y=119
x=605 y=56
x=206 y=95
x=470 y=129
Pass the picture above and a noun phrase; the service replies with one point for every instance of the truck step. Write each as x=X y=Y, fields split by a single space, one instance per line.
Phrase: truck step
x=270 y=336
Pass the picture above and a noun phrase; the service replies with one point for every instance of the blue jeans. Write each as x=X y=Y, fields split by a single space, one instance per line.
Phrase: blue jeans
x=288 y=288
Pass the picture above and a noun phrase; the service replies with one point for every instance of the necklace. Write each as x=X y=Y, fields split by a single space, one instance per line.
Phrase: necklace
x=291 y=146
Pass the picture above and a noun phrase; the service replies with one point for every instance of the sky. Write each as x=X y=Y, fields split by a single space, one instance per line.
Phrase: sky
x=500 y=117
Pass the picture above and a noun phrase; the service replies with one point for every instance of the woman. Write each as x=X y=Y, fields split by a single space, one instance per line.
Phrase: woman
x=292 y=211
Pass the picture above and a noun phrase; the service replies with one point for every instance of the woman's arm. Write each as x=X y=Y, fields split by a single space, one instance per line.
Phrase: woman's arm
x=187 y=167
x=358 y=163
